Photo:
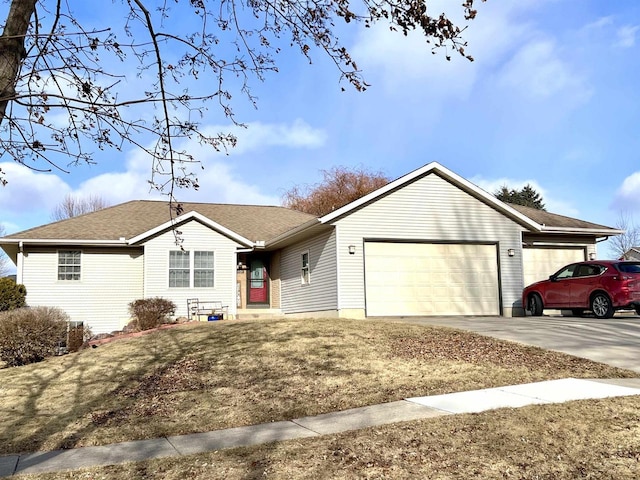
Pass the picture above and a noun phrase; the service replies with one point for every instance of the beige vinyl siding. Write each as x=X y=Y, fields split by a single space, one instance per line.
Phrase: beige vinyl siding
x=429 y=209
x=321 y=293
x=110 y=279
x=195 y=237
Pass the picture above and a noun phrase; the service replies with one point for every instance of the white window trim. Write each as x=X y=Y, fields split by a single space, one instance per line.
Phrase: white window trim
x=169 y=269
x=58 y=279
x=192 y=269
x=307 y=268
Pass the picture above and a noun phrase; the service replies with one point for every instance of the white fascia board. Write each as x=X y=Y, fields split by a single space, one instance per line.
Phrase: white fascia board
x=434 y=167
x=191 y=216
x=63 y=241
x=588 y=231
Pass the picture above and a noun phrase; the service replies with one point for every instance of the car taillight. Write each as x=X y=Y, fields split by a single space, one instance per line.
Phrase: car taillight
x=622 y=278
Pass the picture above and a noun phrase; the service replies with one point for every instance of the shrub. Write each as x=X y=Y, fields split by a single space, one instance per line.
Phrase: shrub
x=29 y=335
x=151 y=312
x=12 y=295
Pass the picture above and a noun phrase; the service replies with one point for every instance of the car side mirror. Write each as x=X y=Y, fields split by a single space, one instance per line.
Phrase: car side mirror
x=553 y=278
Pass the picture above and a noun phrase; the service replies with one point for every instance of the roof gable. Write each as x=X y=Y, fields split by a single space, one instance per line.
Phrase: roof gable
x=433 y=168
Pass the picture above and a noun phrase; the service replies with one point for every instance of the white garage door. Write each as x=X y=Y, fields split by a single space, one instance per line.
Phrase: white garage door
x=540 y=262
x=431 y=279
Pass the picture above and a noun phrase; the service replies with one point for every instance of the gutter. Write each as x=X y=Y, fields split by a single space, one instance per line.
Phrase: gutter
x=592 y=231
x=22 y=241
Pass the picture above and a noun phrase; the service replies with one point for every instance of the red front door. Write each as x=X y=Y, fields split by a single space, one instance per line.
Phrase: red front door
x=258 y=282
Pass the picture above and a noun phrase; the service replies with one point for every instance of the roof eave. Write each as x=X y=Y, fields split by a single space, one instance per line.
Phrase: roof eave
x=64 y=241
x=605 y=232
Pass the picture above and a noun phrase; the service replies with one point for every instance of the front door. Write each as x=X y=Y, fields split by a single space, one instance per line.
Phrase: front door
x=258 y=282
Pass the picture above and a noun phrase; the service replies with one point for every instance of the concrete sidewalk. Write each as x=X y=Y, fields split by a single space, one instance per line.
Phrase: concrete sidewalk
x=553 y=391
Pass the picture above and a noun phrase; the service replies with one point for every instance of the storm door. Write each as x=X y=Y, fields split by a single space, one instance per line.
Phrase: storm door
x=258 y=282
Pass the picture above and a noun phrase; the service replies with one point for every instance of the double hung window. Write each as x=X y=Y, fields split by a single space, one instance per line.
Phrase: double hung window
x=188 y=269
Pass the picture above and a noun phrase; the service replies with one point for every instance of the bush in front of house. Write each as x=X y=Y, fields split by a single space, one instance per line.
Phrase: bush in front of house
x=150 y=313
x=12 y=295
x=29 y=335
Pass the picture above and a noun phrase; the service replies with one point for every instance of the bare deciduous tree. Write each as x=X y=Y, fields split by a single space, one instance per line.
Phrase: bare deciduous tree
x=66 y=86
x=621 y=244
x=73 y=206
x=339 y=186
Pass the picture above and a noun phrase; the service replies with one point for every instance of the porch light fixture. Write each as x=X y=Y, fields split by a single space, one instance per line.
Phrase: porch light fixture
x=592 y=256
x=352 y=249
x=511 y=252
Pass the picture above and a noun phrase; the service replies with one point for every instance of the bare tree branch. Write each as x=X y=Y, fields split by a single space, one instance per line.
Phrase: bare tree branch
x=65 y=87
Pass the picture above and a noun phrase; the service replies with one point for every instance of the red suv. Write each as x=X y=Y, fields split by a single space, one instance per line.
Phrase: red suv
x=602 y=286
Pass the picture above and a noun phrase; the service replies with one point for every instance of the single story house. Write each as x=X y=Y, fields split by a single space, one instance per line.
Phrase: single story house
x=428 y=243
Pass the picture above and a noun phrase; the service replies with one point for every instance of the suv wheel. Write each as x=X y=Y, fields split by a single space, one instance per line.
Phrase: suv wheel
x=535 y=305
x=601 y=306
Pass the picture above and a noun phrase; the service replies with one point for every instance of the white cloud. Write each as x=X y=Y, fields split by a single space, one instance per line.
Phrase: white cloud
x=552 y=204
x=258 y=136
x=218 y=180
x=627 y=197
x=537 y=71
x=30 y=190
x=627 y=36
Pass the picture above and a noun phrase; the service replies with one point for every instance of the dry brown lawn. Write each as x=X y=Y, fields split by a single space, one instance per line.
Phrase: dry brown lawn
x=590 y=439
x=216 y=375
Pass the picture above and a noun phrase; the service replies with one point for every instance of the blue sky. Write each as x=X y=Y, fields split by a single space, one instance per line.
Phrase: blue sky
x=552 y=99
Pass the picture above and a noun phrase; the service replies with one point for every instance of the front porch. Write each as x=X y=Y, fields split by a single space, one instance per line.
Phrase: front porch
x=258 y=285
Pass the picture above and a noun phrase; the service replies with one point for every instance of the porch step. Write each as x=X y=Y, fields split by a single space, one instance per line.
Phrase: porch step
x=257 y=313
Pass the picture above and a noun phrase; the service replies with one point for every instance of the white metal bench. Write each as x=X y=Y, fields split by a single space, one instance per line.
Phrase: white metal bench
x=197 y=308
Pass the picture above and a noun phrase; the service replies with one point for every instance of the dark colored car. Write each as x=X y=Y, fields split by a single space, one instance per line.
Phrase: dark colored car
x=602 y=286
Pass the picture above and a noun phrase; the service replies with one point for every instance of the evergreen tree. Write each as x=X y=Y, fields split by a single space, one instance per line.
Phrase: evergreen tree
x=527 y=196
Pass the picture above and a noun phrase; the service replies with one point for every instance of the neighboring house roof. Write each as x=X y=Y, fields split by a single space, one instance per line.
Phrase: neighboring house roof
x=632 y=254
x=134 y=219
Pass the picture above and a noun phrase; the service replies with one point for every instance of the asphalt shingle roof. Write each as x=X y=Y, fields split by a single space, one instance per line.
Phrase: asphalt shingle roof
x=254 y=222
x=554 y=220
x=130 y=219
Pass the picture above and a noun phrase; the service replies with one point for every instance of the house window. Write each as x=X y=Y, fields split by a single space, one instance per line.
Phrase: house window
x=69 y=265
x=179 y=269
x=203 y=269
x=305 y=277
x=186 y=270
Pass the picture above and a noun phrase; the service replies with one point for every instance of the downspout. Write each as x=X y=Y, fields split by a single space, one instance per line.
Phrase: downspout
x=20 y=265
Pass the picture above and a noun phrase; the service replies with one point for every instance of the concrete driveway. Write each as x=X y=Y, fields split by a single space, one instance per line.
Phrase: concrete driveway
x=615 y=341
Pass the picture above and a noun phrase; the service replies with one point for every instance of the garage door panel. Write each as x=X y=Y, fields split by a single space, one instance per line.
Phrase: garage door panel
x=540 y=262
x=431 y=279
